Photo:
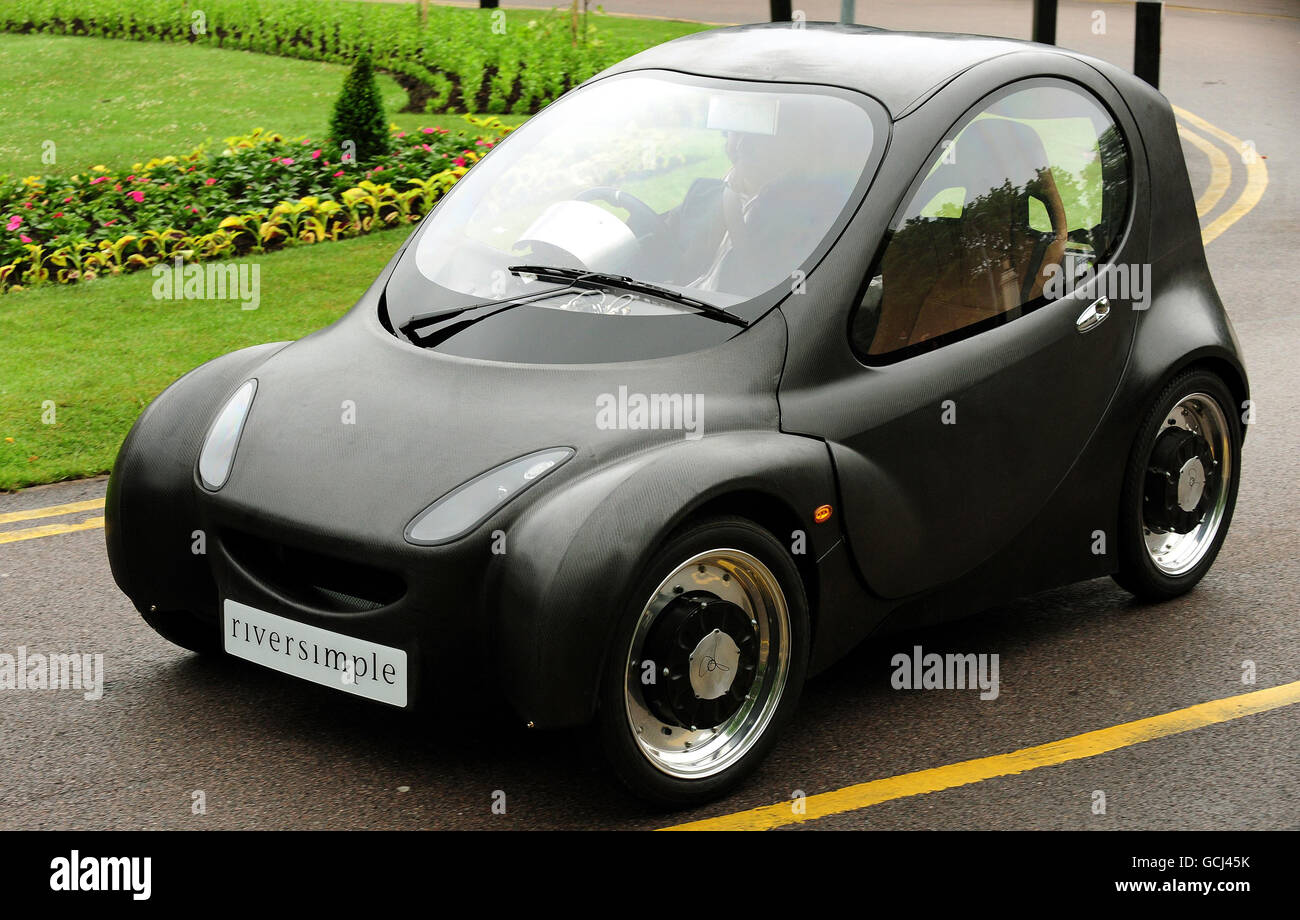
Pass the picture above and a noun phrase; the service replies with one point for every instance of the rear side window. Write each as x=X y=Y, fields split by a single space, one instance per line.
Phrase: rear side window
x=1026 y=197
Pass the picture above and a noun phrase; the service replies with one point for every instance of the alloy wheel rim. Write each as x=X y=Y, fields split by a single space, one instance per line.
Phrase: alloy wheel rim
x=729 y=579
x=1174 y=553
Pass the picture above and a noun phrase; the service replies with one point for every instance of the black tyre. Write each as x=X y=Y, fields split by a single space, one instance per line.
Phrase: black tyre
x=707 y=665
x=1180 y=487
x=180 y=627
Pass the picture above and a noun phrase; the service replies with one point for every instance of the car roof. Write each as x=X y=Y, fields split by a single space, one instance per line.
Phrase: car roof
x=897 y=68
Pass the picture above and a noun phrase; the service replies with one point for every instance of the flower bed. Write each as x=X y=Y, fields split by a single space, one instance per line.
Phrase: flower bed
x=458 y=60
x=258 y=192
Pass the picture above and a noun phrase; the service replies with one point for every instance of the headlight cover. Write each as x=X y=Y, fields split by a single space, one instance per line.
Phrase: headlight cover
x=470 y=504
x=223 y=437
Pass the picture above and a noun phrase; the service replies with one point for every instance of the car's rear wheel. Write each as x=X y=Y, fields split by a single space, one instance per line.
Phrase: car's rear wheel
x=183 y=628
x=708 y=663
x=1180 y=488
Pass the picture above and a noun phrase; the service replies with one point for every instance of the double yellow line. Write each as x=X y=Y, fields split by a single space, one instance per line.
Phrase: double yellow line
x=1221 y=172
x=50 y=511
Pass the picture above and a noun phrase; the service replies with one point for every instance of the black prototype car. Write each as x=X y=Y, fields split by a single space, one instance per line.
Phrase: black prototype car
x=758 y=343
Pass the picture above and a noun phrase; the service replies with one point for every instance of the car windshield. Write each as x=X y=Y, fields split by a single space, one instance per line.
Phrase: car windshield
x=716 y=189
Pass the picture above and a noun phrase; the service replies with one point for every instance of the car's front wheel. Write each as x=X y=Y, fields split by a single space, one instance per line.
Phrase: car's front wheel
x=708 y=663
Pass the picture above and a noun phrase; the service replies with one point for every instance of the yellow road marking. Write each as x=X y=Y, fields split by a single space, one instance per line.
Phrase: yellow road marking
x=49 y=530
x=1256 y=177
x=1220 y=171
x=1078 y=747
x=31 y=514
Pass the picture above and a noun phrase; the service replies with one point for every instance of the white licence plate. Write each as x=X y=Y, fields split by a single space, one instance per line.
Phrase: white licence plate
x=352 y=665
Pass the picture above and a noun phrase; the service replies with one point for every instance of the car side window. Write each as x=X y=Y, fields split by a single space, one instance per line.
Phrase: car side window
x=1026 y=197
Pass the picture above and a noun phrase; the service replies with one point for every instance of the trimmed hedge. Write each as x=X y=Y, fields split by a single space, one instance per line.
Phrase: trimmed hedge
x=459 y=60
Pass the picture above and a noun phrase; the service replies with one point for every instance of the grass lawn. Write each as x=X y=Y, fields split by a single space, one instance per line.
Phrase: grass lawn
x=110 y=102
x=101 y=351
x=113 y=102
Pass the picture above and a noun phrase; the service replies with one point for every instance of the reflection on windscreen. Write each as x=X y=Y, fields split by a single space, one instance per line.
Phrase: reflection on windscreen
x=720 y=193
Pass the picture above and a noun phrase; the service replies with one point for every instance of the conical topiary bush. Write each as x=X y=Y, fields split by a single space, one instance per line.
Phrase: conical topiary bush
x=359 y=114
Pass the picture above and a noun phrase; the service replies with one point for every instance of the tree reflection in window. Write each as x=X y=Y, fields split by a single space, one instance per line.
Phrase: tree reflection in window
x=1035 y=183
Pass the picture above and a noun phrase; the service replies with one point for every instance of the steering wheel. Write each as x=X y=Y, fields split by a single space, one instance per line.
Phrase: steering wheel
x=641 y=218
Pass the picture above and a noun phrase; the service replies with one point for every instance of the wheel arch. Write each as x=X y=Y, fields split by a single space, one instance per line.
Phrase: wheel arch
x=777 y=516
x=555 y=597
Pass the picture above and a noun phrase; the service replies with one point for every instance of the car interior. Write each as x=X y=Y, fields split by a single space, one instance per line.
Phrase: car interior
x=941 y=271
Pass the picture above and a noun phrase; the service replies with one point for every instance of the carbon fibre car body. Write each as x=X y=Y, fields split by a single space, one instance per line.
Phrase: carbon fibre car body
x=927 y=519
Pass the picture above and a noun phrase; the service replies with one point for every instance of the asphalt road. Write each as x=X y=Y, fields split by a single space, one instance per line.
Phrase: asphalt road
x=270 y=752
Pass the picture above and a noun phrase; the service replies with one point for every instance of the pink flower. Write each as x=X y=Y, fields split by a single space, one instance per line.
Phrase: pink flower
x=117 y=187
x=58 y=213
x=136 y=196
x=489 y=144
x=27 y=205
x=459 y=161
x=427 y=130
x=66 y=200
x=315 y=154
x=209 y=181
x=275 y=159
x=337 y=174
x=401 y=134
x=111 y=222
x=443 y=130
x=287 y=161
x=481 y=142
x=427 y=148
x=14 y=223
x=98 y=179
x=24 y=237
x=130 y=178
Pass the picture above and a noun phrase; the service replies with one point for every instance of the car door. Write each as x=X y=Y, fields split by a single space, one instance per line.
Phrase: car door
x=992 y=335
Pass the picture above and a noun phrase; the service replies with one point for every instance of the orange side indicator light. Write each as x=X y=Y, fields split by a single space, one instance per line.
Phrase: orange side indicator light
x=822 y=514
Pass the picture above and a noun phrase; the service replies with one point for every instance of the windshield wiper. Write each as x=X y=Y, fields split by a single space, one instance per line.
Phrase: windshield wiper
x=579 y=277
x=420 y=320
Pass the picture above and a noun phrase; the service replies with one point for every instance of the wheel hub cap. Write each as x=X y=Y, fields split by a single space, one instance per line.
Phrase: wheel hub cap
x=1191 y=484
x=1180 y=477
x=705 y=650
x=713 y=665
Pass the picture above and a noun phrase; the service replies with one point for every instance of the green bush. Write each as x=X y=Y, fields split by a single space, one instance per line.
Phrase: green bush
x=459 y=60
x=359 y=114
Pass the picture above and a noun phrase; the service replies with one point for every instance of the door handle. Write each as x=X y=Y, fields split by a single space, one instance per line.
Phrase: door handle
x=1093 y=316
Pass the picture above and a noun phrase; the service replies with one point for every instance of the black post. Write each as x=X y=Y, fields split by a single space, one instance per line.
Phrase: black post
x=1146 y=41
x=1045 y=21
x=487 y=4
x=781 y=11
